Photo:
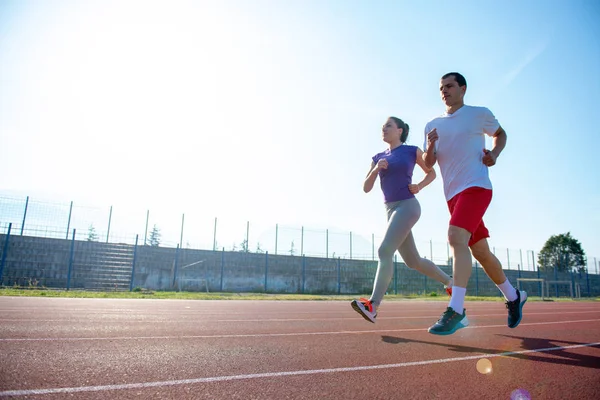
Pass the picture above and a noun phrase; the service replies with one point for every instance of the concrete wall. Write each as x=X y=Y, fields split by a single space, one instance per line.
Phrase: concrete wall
x=45 y=262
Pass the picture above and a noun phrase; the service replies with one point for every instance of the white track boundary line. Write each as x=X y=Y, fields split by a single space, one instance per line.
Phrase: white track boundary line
x=251 y=335
x=226 y=378
x=141 y=318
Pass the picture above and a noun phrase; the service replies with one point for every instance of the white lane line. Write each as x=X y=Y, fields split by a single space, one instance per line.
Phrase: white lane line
x=248 y=335
x=140 y=318
x=103 y=388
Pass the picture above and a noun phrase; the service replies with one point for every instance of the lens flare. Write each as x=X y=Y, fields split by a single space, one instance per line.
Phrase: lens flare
x=520 y=394
x=484 y=366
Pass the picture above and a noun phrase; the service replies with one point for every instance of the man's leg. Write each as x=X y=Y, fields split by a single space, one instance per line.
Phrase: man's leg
x=515 y=299
x=458 y=238
x=466 y=209
x=492 y=266
x=455 y=317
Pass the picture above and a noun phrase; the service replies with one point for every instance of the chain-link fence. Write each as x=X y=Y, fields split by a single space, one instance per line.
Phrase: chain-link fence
x=73 y=225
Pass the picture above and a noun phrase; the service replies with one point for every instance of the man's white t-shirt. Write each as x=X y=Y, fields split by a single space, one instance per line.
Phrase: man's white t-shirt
x=460 y=146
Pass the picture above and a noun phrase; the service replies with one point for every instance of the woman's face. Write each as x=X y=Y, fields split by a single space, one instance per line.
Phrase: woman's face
x=390 y=131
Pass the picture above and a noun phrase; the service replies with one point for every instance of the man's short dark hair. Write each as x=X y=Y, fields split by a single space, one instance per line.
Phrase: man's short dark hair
x=458 y=77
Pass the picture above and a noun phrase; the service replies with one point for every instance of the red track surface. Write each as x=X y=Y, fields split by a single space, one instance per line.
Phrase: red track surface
x=172 y=349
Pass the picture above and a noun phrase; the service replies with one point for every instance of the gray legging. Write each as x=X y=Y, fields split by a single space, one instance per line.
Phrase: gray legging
x=402 y=216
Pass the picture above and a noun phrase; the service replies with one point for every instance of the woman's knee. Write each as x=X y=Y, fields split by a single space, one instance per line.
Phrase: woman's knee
x=385 y=251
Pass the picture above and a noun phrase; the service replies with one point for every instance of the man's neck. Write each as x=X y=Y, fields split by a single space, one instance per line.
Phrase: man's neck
x=453 y=108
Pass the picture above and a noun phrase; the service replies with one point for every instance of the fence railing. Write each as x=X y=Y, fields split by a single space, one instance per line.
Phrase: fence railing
x=192 y=231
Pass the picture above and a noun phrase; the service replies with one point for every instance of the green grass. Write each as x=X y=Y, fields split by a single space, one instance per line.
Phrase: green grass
x=146 y=294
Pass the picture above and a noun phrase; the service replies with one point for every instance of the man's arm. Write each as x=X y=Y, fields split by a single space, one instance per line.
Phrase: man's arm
x=499 y=143
x=430 y=156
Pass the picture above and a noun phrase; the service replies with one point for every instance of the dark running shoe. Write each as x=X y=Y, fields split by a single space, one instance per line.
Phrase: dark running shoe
x=515 y=309
x=365 y=308
x=450 y=322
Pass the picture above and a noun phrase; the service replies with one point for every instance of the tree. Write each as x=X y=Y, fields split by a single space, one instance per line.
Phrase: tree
x=92 y=235
x=244 y=246
x=292 y=250
x=155 y=236
x=563 y=252
x=258 y=249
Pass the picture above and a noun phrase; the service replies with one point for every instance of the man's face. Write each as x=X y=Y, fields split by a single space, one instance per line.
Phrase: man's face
x=450 y=92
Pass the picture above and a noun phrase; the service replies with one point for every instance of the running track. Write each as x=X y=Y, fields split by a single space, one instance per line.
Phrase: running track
x=177 y=349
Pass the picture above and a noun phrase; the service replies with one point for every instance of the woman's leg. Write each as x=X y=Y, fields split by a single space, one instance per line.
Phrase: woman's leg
x=412 y=259
x=401 y=221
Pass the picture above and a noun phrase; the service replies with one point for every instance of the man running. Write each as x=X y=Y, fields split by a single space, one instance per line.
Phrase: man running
x=456 y=141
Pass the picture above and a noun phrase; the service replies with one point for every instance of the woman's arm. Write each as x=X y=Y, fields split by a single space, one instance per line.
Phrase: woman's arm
x=429 y=174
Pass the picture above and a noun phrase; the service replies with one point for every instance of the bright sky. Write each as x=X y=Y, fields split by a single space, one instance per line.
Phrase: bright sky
x=270 y=111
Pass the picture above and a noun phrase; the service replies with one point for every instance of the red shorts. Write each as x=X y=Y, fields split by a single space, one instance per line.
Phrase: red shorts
x=467 y=209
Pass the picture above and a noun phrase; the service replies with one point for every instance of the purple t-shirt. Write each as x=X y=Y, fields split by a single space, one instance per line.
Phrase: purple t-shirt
x=398 y=175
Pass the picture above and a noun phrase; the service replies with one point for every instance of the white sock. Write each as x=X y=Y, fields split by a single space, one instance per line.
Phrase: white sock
x=457 y=301
x=508 y=290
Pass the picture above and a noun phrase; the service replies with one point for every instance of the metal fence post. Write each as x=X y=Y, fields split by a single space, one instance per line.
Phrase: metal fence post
x=538 y=272
x=247 y=236
x=303 y=273
x=556 y=276
x=326 y=243
x=339 y=276
x=302 y=241
x=181 y=236
x=146 y=231
x=519 y=266
x=373 y=246
x=71 y=261
x=266 y=268
x=215 y=236
x=431 y=250
x=5 y=251
x=133 y=264
x=351 y=245
x=69 y=220
x=587 y=280
x=24 y=215
x=276 y=236
x=176 y=265
x=222 y=266
x=109 y=220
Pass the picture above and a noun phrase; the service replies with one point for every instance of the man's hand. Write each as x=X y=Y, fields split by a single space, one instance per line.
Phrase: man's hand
x=489 y=158
x=432 y=137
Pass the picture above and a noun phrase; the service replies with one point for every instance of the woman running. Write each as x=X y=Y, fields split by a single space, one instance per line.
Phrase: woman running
x=395 y=168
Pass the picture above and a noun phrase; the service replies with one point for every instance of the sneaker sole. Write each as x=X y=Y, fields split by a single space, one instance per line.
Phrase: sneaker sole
x=463 y=324
x=359 y=310
x=520 y=312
